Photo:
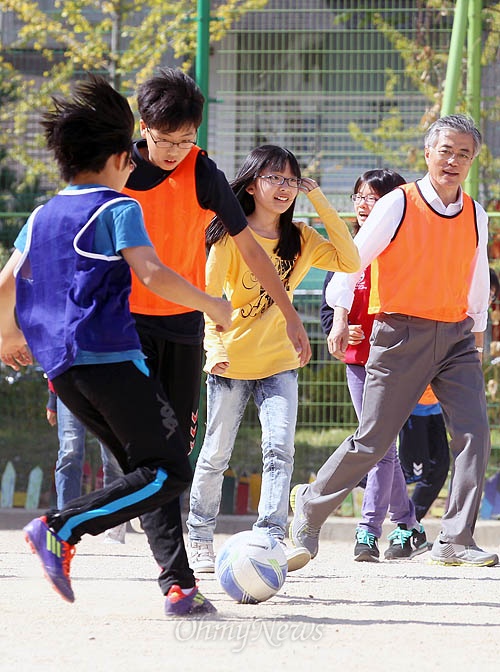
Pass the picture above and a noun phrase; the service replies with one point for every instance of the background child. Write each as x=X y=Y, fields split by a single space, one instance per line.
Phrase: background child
x=424 y=452
x=255 y=358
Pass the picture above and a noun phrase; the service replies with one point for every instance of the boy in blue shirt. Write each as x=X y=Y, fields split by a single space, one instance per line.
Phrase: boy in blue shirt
x=69 y=280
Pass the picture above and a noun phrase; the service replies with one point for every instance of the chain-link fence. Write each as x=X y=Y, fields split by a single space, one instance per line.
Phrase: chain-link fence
x=347 y=85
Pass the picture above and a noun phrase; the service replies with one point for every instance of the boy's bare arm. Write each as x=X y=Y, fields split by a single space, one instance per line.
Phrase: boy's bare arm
x=14 y=350
x=258 y=261
x=170 y=285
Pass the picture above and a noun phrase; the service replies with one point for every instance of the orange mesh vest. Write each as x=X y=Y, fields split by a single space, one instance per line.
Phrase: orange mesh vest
x=176 y=224
x=426 y=269
x=428 y=397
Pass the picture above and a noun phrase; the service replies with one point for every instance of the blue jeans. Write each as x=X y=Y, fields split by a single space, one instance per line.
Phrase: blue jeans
x=71 y=456
x=276 y=398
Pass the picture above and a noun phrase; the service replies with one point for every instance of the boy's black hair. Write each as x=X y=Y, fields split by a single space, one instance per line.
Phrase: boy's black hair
x=261 y=161
x=86 y=129
x=170 y=101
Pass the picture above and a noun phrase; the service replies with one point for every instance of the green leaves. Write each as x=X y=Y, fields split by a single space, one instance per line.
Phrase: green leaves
x=125 y=40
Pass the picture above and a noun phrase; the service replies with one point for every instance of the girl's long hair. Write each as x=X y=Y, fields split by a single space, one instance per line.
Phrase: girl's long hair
x=263 y=160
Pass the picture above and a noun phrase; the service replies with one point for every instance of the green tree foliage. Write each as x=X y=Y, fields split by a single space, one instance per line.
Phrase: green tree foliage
x=122 y=39
x=425 y=69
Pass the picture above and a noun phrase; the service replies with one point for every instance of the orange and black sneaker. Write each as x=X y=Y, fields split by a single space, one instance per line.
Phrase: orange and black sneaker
x=54 y=553
x=177 y=603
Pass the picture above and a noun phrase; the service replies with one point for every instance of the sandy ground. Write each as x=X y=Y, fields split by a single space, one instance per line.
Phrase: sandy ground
x=405 y=615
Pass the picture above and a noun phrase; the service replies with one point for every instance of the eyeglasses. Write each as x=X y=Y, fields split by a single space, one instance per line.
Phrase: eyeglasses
x=164 y=144
x=278 y=180
x=448 y=155
x=369 y=200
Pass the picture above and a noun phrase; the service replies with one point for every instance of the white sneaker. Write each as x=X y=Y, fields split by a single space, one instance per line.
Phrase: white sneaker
x=201 y=556
x=456 y=554
x=296 y=557
x=115 y=535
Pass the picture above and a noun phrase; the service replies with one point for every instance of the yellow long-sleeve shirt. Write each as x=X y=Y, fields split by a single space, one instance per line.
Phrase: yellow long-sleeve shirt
x=257 y=346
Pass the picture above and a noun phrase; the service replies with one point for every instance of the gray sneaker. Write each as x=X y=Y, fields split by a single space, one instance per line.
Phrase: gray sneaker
x=201 y=556
x=301 y=533
x=456 y=554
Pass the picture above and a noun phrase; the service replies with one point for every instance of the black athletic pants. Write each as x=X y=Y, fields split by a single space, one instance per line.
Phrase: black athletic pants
x=425 y=458
x=130 y=413
x=177 y=368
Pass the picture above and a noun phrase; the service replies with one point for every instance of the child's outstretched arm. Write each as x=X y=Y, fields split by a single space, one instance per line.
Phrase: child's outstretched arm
x=344 y=255
x=258 y=261
x=170 y=285
x=14 y=350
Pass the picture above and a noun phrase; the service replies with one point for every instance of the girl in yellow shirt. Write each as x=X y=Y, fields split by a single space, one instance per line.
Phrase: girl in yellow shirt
x=255 y=358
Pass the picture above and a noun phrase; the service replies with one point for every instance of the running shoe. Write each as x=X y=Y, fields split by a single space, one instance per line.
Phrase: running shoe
x=54 y=554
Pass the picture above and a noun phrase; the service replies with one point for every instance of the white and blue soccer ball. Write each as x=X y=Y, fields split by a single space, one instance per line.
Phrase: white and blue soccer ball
x=251 y=567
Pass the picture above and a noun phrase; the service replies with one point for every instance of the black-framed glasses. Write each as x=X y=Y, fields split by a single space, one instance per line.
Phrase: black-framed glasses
x=166 y=144
x=278 y=180
x=370 y=199
x=447 y=155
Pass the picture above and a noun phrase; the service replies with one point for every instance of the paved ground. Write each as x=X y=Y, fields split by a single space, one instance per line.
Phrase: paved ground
x=334 y=613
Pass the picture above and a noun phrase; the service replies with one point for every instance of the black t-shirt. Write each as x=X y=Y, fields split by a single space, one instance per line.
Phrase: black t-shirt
x=213 y=193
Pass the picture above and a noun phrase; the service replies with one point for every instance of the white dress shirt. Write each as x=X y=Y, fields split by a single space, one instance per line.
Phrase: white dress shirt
x=378 y=231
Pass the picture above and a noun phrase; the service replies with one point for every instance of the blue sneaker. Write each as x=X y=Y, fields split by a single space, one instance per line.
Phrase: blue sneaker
x=301 y=533
x=54 y=553
x=177 y=603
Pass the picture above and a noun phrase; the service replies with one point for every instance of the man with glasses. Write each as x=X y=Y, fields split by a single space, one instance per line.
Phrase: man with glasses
x=429 y=242
x=180 y=189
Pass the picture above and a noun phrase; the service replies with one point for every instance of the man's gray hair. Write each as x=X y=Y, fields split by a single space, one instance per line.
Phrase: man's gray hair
x=460 y=123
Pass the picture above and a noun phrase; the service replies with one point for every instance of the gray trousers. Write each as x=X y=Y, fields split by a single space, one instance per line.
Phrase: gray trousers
x=407 y=353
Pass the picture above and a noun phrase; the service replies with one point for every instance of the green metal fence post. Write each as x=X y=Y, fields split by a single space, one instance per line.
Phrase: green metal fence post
x=201 y=77
x=202 y=64
x=454 y=67
x=473 y=90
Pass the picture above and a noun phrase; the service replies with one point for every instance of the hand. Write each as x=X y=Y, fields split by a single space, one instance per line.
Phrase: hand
x=297 y=334
x=356 y=334
x=338 y=339
x=219 y=368
x=14 y=351
x=307 y=185
x=220 y=312
x=51 y=417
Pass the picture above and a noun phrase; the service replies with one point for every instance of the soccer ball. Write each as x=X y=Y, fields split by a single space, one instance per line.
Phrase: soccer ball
x=251 y=567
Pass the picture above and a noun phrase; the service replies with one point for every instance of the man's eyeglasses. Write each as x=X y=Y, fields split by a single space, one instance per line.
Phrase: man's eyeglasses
x=369 y=200
x=448 y=155
x=166 y=144
x=278 y=180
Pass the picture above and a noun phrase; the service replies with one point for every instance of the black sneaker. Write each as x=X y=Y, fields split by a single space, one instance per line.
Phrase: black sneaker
x=406 y=543
x=419 y=542
x=366 y=549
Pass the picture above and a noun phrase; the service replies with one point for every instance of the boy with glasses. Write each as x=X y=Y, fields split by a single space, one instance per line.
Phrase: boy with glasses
x=180 y=189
